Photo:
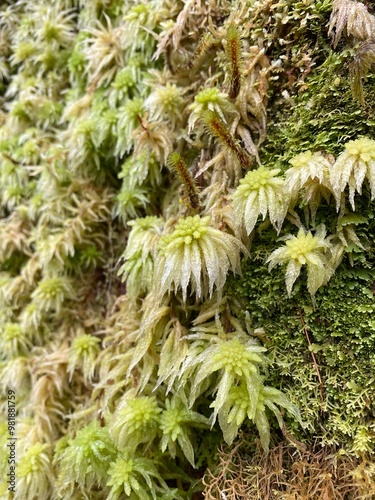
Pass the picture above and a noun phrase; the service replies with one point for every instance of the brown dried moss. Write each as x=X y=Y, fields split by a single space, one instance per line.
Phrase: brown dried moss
x=289 y=474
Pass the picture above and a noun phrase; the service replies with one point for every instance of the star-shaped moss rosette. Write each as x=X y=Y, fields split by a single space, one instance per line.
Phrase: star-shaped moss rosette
x=174 y=424
x=308 y=179
x=304 y=167
x=83 y=354
x=260 y=192
x=232 y=360
x=165 y=102
x=300 y=250
x=86 y=459
x=34 y=472
x=352 y=167
x=238 y=406
x=198 y=254
x=135 y=421
x=210 y=99
x=138 y=478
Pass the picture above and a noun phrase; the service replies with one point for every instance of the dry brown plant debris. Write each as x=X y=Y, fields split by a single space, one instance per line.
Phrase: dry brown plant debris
x=288 y=474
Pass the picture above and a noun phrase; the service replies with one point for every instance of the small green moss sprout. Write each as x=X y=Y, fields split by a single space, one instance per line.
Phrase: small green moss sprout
x=86 y=459
x=239 y=406
x=34 y=473
x=103 y=52
x=51 y=293
x=210 y=99
x=84 y=351
x=13 y=340
x=165 y=102
x=175 y=421
x=135 y=421
x=136 y=477
x=234 y=360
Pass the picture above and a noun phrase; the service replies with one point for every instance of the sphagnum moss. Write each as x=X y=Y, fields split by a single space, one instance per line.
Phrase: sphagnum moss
x=261 y=109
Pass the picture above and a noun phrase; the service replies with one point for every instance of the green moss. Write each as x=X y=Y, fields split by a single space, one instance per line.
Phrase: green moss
x=341 y=330
x=322 y=116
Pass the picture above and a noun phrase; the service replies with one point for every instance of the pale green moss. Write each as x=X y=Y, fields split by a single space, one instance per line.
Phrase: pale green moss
x=252 y=105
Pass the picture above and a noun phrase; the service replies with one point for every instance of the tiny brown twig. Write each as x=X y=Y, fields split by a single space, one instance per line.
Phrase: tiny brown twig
x=313 y=358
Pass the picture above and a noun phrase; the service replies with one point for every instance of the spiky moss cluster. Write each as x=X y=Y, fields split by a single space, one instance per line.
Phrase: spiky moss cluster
x=354 y=165
x=195 y=251
x=303 y=249
x=260 y=192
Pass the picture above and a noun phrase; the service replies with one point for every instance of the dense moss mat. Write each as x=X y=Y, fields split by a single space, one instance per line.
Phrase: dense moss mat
x=340 y=346
x=322 y=115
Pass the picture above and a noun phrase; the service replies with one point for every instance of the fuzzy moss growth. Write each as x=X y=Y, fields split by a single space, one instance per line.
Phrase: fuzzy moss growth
x=141 y=328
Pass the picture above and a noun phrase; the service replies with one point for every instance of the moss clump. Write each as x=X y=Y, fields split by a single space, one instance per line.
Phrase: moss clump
x=341 y=335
